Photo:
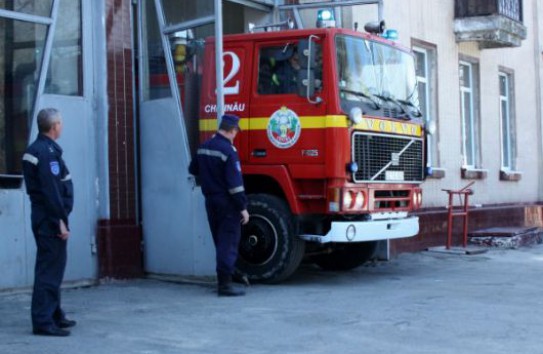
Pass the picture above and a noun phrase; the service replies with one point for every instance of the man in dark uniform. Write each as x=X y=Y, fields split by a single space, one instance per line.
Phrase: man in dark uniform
x=218 y=166
x=49 y=186
x=286 y=75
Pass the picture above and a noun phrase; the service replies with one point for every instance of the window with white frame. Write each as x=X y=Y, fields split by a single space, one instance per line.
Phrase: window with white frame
x=426 y=85
x=506 y=122
x=468 y=94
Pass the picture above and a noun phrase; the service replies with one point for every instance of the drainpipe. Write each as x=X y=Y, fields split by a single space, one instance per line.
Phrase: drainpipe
x=538 y=49
x=219 y=60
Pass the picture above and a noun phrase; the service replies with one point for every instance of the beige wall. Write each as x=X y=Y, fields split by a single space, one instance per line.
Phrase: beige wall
x=538 y=15
x=432 y=21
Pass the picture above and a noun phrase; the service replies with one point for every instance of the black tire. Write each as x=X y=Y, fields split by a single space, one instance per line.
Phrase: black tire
x=347 y=256
x=269 y=249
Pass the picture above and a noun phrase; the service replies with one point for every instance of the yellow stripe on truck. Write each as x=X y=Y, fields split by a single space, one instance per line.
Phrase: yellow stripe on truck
x=309 y=122
x=321 y=122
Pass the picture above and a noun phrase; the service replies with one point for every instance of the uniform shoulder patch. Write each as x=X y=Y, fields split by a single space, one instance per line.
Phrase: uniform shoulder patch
x=55 y=167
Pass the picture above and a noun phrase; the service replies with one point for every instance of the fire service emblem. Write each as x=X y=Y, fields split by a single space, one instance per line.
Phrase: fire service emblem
x=284 y=128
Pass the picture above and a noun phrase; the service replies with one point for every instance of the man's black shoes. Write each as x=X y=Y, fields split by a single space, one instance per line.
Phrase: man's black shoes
x=51 y=331
x=230 y=290
x=56 y=330
x=66 y=323
x=226 y=288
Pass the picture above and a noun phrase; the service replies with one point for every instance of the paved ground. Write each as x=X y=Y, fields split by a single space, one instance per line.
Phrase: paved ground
x=417 y=303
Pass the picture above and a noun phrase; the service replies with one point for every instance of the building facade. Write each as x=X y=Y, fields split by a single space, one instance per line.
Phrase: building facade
x=476 y=82
x=126 y=80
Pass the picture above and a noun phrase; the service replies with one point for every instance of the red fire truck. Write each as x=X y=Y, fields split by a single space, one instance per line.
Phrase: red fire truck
x=332 y=144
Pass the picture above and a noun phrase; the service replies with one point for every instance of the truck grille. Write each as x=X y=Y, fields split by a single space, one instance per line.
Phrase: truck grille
x=387 y=158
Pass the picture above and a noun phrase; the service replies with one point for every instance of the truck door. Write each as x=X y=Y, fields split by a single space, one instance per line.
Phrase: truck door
x=285 y=128
x=237 y=78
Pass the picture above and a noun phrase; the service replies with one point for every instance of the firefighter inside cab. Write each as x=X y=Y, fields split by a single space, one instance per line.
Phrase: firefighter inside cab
x=285 y=75
x=279 y=71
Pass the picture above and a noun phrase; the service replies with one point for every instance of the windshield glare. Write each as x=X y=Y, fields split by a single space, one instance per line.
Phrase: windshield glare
x=373 y=68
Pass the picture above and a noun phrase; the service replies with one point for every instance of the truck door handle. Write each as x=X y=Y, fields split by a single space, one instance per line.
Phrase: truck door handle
x=259 y=153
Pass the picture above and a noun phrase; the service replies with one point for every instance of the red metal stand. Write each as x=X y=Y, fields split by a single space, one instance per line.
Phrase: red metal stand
x=463 y=196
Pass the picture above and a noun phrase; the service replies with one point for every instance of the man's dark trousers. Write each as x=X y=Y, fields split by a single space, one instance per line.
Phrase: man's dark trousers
x=225 y=224
x=49 y=271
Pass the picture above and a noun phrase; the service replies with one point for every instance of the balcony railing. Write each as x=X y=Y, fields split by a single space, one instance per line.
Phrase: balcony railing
x=471 y=8
x=491 y=23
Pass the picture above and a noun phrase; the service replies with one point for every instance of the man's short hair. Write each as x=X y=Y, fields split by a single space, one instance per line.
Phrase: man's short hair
x=47 y=118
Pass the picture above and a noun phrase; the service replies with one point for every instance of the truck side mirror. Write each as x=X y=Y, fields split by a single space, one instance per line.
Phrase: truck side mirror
x=305 y=83
x=307 y=57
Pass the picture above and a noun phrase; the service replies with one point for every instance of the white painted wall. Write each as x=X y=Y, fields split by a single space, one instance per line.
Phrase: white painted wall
x=433 y=21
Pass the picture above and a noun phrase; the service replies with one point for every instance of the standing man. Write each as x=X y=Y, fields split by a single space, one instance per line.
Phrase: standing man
x=49 y=186
x=217 y=164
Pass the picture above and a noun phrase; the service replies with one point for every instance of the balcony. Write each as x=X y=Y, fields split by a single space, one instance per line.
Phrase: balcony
x=491 y=23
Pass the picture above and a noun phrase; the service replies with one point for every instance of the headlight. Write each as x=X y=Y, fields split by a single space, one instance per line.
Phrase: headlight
x=417 y=199
x=355 y=115
x=359 y=200
x=347 y=200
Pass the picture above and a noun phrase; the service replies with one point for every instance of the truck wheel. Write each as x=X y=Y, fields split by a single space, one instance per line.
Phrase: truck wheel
x=347 y=256
x=269 y=250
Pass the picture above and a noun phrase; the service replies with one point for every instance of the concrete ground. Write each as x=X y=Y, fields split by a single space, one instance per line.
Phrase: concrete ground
x=416 y=303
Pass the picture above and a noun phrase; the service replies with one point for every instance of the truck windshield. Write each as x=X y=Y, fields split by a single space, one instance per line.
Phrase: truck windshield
x=375 y=74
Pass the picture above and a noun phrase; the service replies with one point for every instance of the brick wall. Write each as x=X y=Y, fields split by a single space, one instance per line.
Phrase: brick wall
x=122 y=185
x=119 y=238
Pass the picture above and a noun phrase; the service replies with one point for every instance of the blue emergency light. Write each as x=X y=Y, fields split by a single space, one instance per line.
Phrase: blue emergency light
x=391 y=34
x=325 y=18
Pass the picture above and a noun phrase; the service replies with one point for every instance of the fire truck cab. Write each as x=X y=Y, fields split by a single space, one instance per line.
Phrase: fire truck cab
x=332 y=144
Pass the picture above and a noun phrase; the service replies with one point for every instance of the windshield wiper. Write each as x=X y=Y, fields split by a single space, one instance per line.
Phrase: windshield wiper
x=370 y=97
x=385 y=96
x=416 y=111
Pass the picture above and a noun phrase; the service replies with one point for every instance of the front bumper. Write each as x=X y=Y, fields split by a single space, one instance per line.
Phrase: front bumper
x=361 y=231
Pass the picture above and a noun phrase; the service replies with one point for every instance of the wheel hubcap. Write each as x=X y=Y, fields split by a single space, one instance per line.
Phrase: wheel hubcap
x=258 y=242
x=253 y=240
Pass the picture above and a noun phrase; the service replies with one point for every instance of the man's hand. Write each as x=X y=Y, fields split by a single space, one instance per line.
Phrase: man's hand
x=244 y=217
x=64 y=233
